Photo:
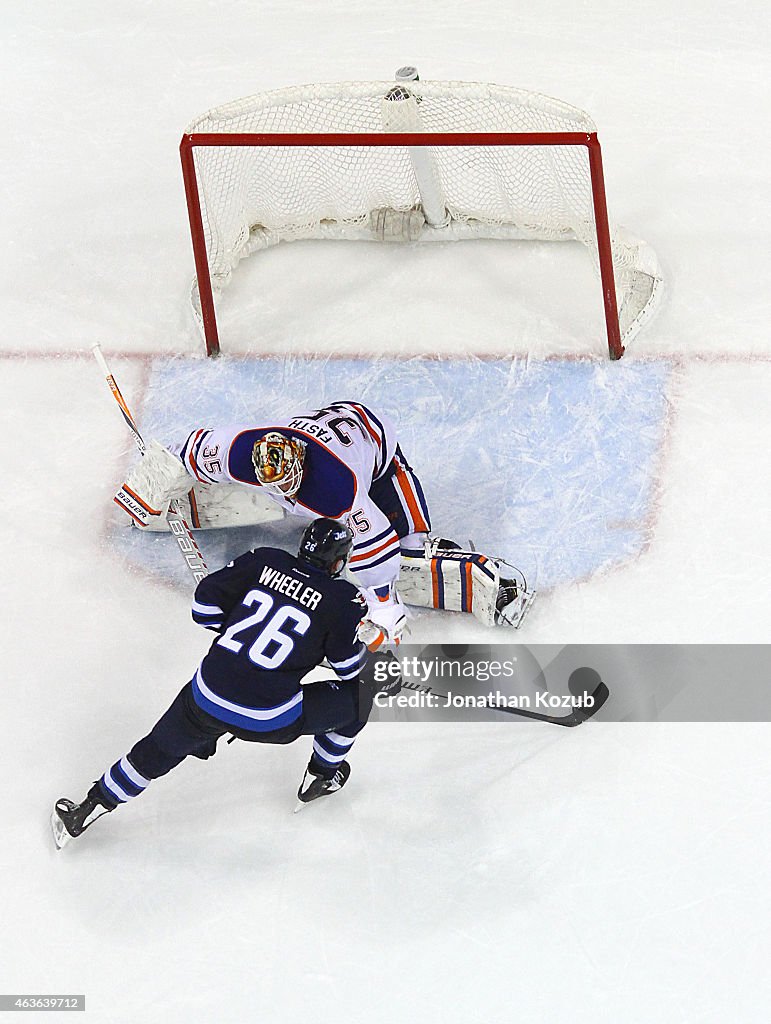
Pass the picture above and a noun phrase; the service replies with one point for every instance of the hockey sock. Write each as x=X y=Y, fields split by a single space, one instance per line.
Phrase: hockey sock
x=329 y=750
x=122 y=782
x=414 y=542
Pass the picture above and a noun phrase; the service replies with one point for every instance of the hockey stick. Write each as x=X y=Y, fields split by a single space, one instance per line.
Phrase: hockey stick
x=174 y=517
x=583 y=682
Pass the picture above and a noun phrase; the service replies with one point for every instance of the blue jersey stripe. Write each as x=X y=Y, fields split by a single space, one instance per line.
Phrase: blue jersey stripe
x=381 y=463
x=368 y=542
x=363 y=566
x=263 y=719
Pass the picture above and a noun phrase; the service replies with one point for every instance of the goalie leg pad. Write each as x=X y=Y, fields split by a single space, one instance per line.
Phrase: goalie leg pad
x=463 y=581
x=455 y=580
x=217 y=506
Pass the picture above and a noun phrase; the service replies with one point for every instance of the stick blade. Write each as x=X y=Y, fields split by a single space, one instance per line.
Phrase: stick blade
x=585 y=682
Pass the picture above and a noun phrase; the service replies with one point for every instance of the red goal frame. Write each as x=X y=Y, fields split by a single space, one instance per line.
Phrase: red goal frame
x=190 y=142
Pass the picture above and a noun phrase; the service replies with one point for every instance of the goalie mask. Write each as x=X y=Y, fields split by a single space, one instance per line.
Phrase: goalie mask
x=278 y=463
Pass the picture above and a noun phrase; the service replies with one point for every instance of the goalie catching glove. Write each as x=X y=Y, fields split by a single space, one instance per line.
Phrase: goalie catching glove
x=152 y=483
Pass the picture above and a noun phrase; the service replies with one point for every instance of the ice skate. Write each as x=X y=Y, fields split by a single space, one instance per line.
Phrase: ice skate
x=69 y=820
x=512 y=603
x=317 y=783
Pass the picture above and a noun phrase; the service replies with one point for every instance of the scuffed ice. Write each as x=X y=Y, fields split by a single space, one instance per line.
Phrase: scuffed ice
x=549 y=464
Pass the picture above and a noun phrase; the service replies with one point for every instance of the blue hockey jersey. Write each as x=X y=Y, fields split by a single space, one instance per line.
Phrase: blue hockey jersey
x=277 y=618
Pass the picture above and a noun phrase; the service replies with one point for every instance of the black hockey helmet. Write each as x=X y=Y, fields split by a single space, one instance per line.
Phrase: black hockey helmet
x=325 y=544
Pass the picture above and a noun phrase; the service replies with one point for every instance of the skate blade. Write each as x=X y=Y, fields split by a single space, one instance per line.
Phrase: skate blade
x=60 y=833
x=304 y=803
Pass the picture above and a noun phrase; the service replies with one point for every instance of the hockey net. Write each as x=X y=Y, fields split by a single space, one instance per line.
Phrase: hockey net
x=412 y=161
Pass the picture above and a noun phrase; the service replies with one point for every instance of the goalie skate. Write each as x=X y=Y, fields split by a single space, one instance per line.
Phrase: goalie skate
x=514 y=599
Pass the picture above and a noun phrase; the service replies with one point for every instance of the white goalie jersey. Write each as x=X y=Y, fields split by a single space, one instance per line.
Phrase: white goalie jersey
x=346 y=448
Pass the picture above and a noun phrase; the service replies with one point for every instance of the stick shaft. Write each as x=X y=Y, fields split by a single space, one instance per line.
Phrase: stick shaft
x=116 y=394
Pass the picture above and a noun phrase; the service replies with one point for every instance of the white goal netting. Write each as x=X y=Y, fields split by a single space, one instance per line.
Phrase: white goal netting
x=255 y=196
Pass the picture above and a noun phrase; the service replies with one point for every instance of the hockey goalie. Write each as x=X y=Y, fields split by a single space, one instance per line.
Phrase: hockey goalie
x=341 y=462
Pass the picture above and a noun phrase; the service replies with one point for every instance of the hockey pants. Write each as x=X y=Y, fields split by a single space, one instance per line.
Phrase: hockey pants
x=330 y=714
x=399 y=496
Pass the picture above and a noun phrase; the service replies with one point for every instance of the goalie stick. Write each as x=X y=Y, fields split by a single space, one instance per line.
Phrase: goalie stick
x=582 y=682
x=174 y=518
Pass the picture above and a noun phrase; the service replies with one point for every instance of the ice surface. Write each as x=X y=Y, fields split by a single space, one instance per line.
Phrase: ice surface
x=495 y=443
x=467 y=873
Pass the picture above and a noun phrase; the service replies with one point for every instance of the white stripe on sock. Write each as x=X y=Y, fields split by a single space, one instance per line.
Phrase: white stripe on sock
x=340 y=741
x=114 y=788
x=133 y=774
x=325 y=754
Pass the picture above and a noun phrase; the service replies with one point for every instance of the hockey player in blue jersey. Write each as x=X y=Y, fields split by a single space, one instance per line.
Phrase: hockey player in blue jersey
x=276 y=616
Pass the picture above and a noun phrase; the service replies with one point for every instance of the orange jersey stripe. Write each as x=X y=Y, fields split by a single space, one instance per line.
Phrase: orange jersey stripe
x=367 y=424
x=421 y=526
x=191 y=460
x=374 y=551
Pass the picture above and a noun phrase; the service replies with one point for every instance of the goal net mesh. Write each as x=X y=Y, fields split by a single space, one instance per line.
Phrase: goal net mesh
x=255 y=196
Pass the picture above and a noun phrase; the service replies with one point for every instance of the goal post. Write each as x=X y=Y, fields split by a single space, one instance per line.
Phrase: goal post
x=412 y=162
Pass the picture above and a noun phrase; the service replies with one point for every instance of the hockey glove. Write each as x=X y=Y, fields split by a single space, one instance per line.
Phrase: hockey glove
x=151 y=484
x=384 y=622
